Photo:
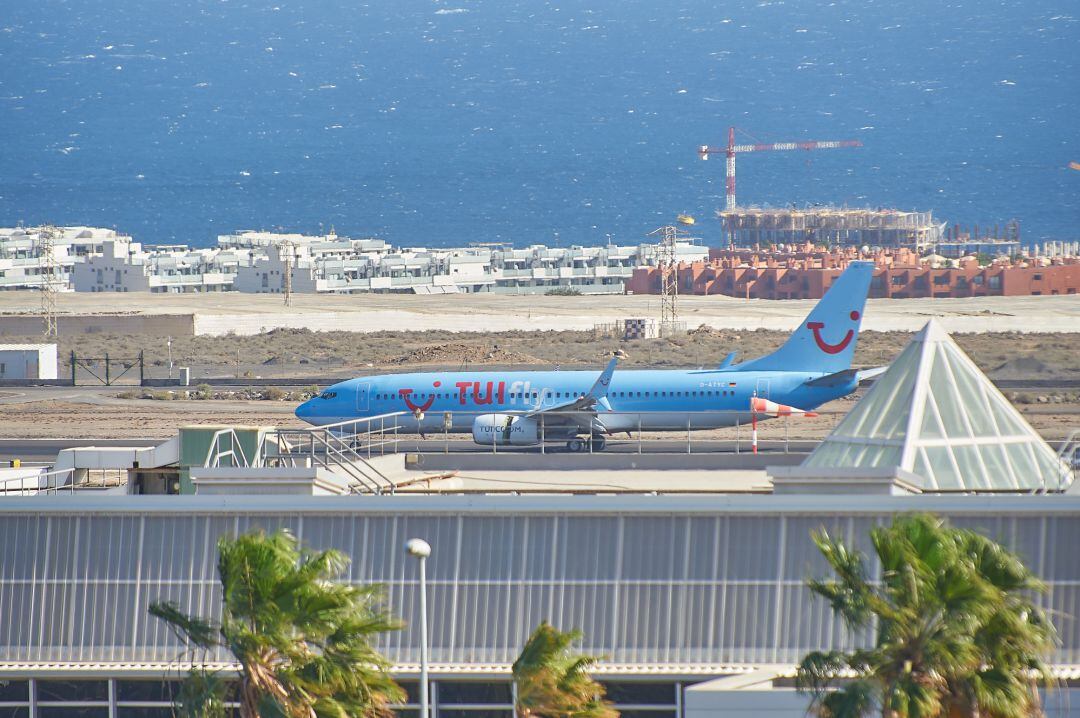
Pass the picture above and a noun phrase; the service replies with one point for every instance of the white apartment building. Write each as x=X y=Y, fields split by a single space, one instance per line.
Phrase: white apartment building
x=21 y=262
x=533 y=270
x=124 y=266
x=322 y=245
x=101 y=260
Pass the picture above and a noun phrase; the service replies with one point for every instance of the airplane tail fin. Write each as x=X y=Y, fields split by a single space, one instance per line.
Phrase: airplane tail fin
x=825 y=341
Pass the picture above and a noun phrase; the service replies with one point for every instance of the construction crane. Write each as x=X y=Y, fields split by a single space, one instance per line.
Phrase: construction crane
x=733 y=149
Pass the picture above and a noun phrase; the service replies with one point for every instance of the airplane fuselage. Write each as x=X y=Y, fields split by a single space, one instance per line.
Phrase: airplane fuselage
x=527 y=407
x=654 y=399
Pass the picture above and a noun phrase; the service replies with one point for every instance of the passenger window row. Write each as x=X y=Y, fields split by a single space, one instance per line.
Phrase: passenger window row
x=567 y=395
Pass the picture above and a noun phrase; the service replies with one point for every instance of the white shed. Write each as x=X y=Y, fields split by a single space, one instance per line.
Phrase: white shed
x=28 y=361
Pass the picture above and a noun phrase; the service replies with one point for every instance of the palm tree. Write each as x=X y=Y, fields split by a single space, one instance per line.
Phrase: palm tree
x=956 y=632
x=553 y=682
x=302 y=639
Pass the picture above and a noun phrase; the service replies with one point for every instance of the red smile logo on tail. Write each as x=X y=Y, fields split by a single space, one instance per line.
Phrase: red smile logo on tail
x=825 y=346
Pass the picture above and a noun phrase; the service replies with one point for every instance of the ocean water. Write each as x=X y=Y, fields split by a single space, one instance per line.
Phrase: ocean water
x=559 y=122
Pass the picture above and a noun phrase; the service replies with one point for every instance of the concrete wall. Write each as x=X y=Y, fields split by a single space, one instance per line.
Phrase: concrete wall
x=763 y=703
x=718 y=699
x=599 y=462
x=248 y=324
x=176 y=325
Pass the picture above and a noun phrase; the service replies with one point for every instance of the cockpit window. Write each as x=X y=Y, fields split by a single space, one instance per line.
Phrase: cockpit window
x=328 y=395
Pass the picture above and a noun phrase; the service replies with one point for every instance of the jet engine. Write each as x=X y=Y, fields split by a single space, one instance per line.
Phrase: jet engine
x=503 y=429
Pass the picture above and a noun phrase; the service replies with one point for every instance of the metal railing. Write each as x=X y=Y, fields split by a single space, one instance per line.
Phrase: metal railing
x=346 y=447
x=683 y=432
x=233 y=451
x=1069 y=457
x=31 y=483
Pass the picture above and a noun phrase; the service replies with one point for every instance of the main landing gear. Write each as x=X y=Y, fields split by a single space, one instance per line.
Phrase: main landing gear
x=578 y=445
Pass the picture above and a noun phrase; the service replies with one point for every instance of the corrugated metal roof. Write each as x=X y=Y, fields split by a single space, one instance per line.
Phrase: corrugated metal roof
x=656 y=586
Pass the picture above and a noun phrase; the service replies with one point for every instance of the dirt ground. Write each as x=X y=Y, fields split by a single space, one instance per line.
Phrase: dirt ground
x=322 y=357
x=100 y=414
x=220 y=314
x=73 y=417
x=330 y=355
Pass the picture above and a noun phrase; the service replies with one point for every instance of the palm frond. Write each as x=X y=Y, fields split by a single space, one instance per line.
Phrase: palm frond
x=857 y=699
x=551 y=680
x=956 y=630
x=196 y=631
x=304 y=639
x=202 y=694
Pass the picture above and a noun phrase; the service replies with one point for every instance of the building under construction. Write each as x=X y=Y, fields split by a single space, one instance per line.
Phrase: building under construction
x=830 y=227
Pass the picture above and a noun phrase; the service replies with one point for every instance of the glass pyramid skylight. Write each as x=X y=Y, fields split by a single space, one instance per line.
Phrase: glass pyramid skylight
x=935 y=414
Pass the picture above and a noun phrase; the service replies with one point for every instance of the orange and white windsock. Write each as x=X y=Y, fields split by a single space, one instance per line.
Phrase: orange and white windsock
x=771 y=408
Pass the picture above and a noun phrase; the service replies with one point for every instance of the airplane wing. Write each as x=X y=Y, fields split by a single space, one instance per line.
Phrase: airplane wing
x=582 y=410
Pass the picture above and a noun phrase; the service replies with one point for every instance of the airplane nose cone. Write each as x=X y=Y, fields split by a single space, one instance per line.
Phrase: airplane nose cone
x=304 y=410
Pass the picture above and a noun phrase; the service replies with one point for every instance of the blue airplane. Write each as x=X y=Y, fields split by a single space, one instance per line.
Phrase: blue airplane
x=526 y=408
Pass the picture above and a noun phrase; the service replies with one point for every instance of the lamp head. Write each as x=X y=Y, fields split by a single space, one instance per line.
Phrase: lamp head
x=418 y=548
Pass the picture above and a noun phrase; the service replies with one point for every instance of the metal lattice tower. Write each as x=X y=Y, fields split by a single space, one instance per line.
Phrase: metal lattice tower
x=667 y=263
x=288 y=248
x=46 y=253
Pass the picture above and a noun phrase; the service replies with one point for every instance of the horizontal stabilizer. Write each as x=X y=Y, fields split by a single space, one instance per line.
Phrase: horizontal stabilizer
x=846 y=376
x=865 y=374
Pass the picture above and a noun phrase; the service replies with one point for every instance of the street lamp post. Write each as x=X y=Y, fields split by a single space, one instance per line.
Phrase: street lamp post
x=420 y=549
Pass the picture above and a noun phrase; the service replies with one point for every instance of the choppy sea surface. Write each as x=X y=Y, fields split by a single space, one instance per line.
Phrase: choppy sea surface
x=559 y=122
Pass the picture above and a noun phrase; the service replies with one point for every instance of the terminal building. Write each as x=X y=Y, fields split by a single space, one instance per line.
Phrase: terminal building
x=688 y=575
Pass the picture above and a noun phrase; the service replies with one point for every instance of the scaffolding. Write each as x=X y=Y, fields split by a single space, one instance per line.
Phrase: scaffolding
x=832 y=226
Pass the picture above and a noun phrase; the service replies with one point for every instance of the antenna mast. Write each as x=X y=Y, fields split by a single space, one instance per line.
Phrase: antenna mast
x=288 y=247
x=666 y=261
x=46 y=253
